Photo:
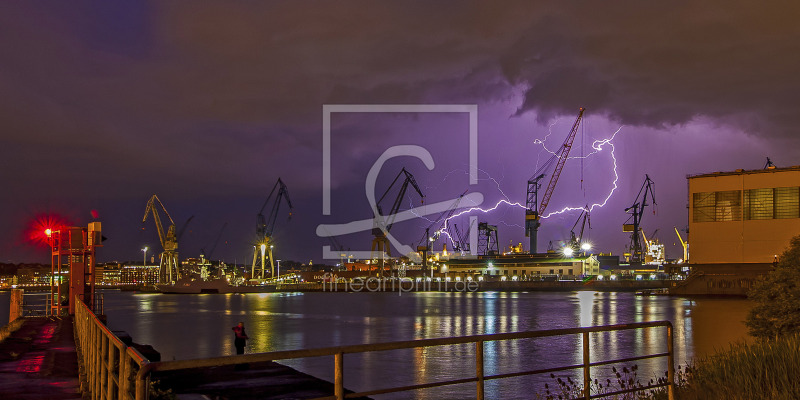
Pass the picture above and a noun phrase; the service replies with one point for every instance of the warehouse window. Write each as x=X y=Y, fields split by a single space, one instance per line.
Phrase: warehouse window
x=703 y=207
x=758 y=204
x=717 y=206
x=787 y=202
x=771 y=203
x=729 y=205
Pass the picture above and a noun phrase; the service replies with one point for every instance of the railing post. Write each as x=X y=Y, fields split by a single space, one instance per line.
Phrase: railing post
x=671 y=362
x=101 y=383
x=98 y=359
x=338 y=372
x=587 y=380
x=142 y=385
x=479 y=369
x=112 y=348
x=124 y=366
x=91 y=349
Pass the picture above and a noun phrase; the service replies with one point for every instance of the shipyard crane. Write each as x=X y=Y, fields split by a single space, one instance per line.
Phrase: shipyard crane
x=265 y=227
x=576 y=241
x=425 y=244
x=460 y=240
x=534 y=209
x=684 y=244
x=488 y=244
x=636 y=211
x=384 y=222
x=168 y=266
x=337 y=246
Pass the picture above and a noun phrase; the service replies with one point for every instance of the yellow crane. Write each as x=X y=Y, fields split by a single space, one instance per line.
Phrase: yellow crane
x=685 y=246
x=168 y=266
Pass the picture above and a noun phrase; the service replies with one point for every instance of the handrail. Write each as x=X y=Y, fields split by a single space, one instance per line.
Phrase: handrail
x=99 y=349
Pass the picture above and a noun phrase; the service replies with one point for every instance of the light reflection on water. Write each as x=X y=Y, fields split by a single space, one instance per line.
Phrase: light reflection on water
x=198 y=326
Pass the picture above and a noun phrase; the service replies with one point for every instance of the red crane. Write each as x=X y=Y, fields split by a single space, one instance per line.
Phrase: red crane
x=534 y=208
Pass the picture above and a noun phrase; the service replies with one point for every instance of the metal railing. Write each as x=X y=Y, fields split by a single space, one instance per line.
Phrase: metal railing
x=101 y=350
x=110 y=367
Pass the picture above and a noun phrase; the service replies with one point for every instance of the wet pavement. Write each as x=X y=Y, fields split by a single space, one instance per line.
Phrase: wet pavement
x=39 y=361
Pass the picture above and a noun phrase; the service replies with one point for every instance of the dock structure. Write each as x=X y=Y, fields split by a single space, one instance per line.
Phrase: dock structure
x=38 y=360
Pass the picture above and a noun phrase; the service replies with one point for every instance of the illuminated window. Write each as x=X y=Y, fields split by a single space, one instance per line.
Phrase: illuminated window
x=758 y=204
x=717 y=206
x=787 y=202
x=703 y=207
x=769 y=203
x=729 y=205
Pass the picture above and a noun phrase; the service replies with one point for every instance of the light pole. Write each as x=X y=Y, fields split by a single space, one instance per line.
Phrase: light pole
x=144 y=259
x=279 y=268
x=263 y=249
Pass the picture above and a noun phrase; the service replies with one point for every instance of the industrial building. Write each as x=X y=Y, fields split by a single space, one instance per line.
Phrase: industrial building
x=743 y=216
x=739 y=224
x=523 y=266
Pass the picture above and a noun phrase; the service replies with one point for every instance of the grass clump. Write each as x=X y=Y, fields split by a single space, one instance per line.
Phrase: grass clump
x=761 y=370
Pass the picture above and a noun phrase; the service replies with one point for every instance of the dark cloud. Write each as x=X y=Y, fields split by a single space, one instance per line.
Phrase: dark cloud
x=661 y=64
x=194 y=100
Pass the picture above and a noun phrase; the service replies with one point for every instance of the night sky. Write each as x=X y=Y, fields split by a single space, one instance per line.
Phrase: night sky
x=206 y=104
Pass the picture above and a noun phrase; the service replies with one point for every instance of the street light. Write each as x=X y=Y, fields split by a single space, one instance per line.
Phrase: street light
x=144 y=259
x=279 y=267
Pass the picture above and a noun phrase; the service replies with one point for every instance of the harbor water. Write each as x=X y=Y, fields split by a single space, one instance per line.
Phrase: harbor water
x=199 y=326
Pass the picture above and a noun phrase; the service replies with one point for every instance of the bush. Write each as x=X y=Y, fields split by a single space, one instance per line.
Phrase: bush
x=777 y=297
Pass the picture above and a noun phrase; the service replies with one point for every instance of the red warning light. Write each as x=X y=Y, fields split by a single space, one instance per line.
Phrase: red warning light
x=43 y=226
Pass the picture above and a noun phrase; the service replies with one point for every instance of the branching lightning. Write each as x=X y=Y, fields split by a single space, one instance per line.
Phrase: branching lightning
x=597 y=146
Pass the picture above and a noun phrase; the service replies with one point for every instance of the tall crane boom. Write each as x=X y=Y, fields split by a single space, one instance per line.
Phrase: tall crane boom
x=409 y=179
x=562 y=155
x=266 y=225
x=169 y=241
x=637 y=211
x=534 y=208
x=380 y=243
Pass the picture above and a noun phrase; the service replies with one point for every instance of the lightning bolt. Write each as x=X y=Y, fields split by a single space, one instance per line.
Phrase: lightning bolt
x=597 y=145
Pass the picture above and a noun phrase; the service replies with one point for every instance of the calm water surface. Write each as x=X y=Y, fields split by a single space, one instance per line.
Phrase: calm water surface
x=198 y=326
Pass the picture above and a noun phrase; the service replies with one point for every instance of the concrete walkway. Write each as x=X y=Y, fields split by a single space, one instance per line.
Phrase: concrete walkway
x=39 y=361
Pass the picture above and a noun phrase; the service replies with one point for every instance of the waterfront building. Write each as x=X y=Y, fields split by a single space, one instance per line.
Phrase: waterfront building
x=38 y=275
x=739 y=224
x=743 y=216
x=139 y=275
x=108 y=274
